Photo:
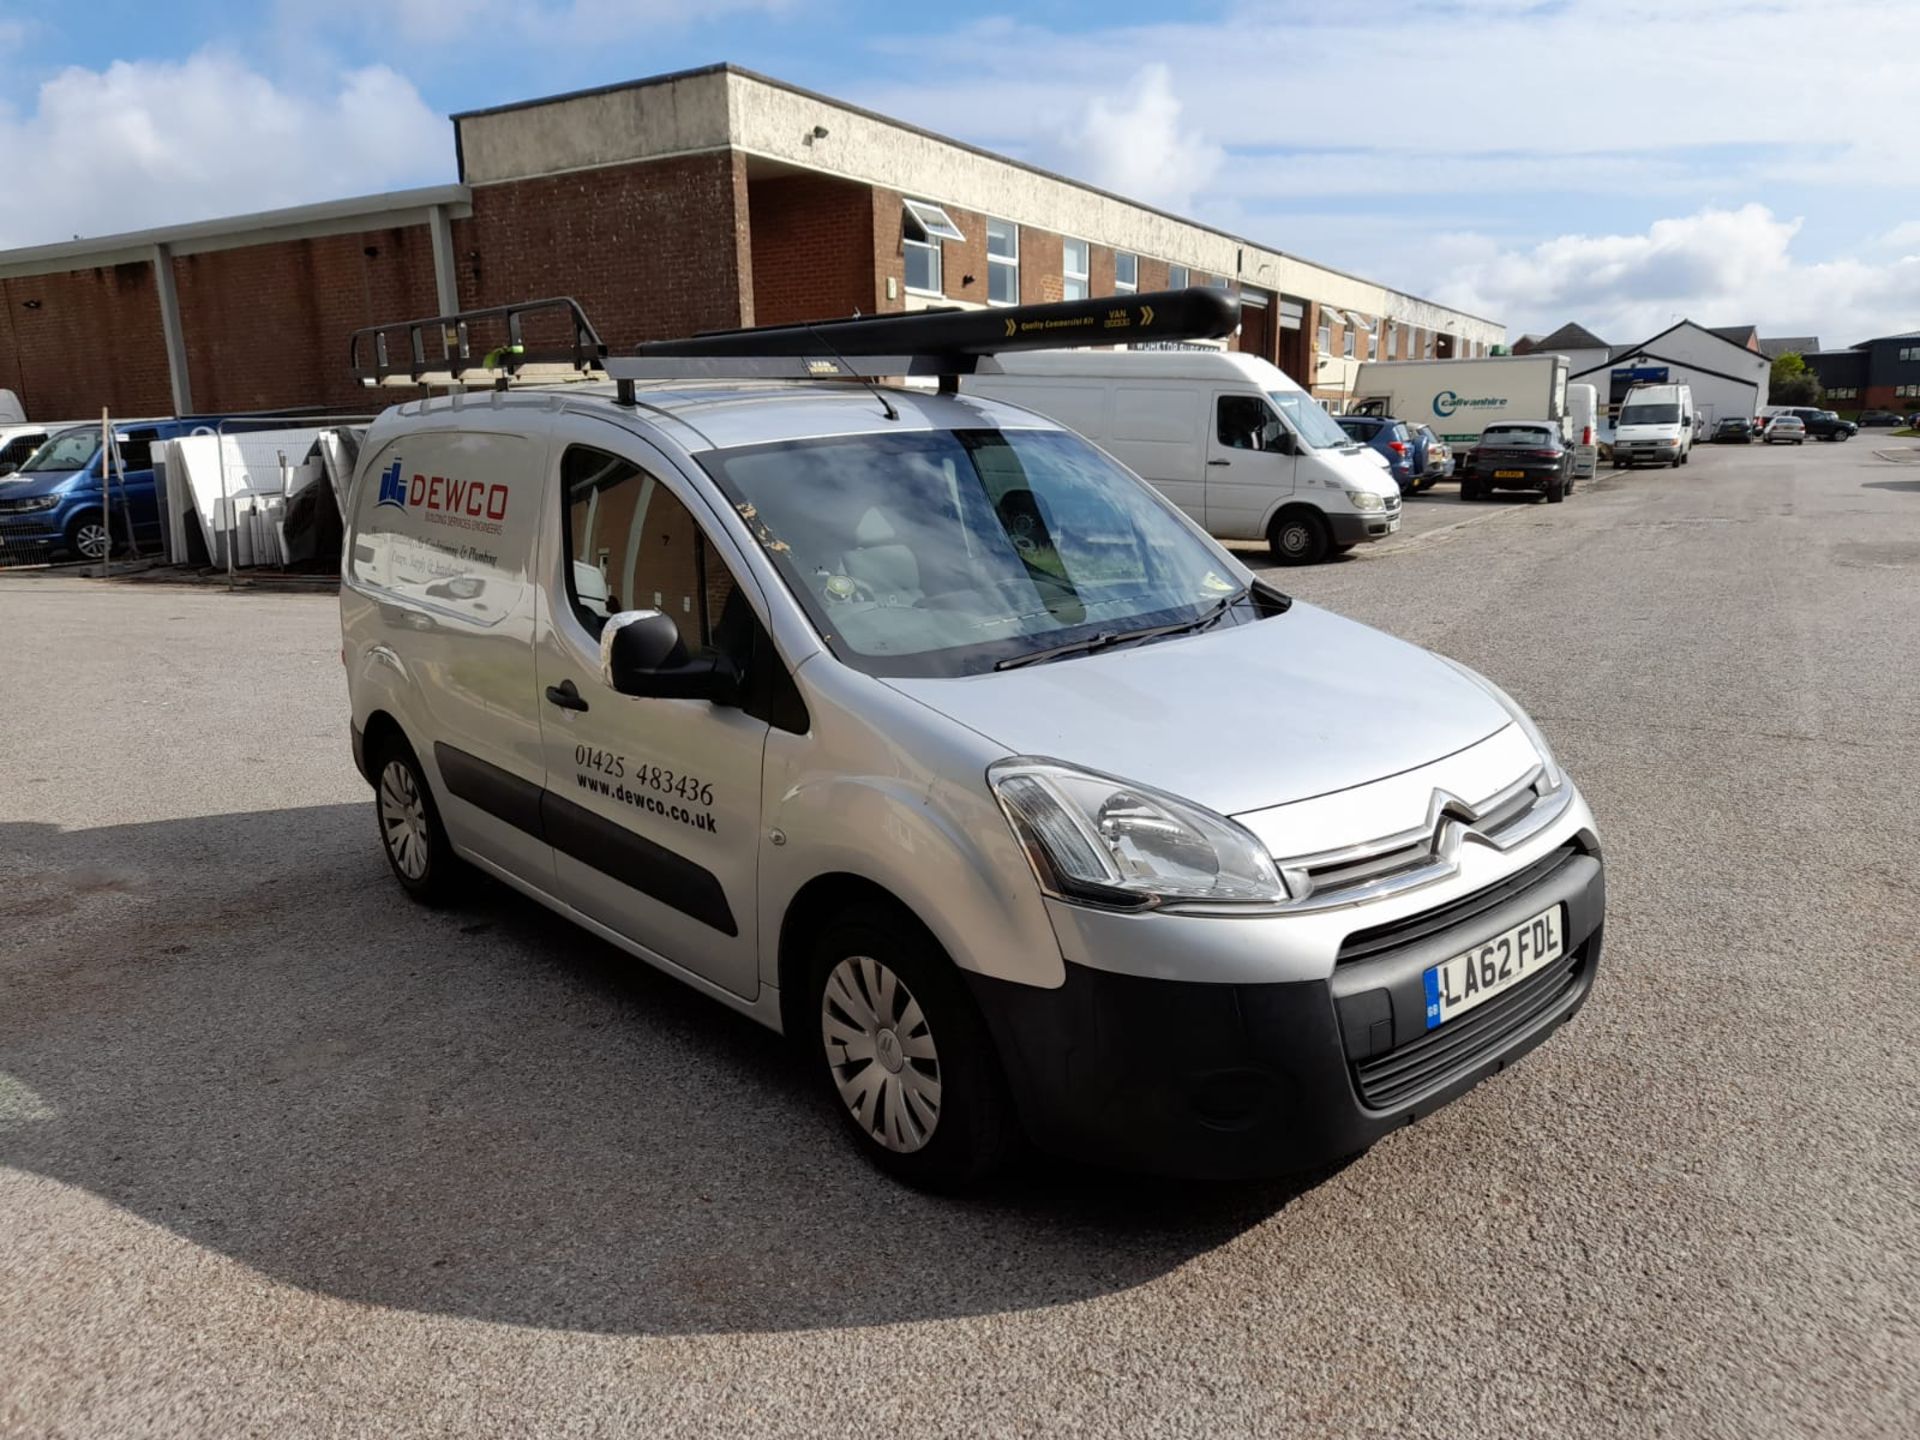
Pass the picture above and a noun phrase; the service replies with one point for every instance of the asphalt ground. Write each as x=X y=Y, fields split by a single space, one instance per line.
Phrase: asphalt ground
x=282 y=1154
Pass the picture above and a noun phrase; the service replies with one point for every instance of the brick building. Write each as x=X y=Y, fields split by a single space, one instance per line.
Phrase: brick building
x=709 y=198
x=1880 y=374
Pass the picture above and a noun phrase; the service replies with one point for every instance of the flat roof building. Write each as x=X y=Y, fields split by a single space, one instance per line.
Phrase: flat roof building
x=705 y=199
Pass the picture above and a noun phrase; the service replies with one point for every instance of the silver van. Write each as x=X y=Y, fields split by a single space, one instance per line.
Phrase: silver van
x=915 y=726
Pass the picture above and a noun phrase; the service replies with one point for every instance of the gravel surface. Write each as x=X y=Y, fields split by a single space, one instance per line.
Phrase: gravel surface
x=281 y=1154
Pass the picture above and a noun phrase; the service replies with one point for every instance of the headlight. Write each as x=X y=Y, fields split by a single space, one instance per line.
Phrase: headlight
x=1555 y=777
x=1093 y=838
x=32 y=502
x=1366 y=500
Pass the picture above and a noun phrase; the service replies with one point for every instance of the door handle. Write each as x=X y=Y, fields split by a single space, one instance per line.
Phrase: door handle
x=1219 y=462
x=566 y=695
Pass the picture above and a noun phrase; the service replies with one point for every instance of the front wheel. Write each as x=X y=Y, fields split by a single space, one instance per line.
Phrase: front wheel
x=905 y=1054
x=88 y=536
x=1299 y=538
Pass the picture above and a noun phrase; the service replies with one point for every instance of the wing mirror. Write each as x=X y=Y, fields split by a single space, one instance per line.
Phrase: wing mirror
x=641 y=654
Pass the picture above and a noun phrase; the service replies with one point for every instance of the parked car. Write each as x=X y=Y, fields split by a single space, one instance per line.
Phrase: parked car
x=1519 y=455
x=1821 y=424
x=1786 y=430
x=1432 y=457
x=1880 y=419
x=17 y=444
x=1734 y=430
x=948 y=747
x=1391 y=440
x=52 y=504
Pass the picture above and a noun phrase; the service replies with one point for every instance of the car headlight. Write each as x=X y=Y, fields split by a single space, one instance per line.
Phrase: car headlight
x=1366 y=500
x=33 y=502
x=1103 y=841
x=1555 y=776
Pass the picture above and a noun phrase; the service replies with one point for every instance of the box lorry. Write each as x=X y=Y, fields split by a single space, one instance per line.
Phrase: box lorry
x=1460 y=398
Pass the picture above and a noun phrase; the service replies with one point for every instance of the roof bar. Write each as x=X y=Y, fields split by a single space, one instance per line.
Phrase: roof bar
x=454 y=365
x=942 y=343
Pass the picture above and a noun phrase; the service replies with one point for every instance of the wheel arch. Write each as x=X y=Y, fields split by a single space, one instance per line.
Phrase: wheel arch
x=813 y=907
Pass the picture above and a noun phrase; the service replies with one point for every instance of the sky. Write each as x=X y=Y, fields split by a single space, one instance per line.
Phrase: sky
x=1613 y=162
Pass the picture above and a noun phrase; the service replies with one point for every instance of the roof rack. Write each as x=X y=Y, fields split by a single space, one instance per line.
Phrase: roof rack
x=945 y=343
x=454 y=362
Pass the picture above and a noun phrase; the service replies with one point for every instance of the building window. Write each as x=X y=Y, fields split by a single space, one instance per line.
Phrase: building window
x=1324 y=340
x=1176 y=277
x=1429 y=354
x=923 y=227
x=1907 y=392
x=1003 y=262
x=1393 y=342
x=1909 y=352
x=1073 y=270
x=1346 y=342
x=1126 y=273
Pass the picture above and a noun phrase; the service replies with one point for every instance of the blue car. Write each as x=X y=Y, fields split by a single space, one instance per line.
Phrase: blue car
x=1391 y=439
x=52 y=504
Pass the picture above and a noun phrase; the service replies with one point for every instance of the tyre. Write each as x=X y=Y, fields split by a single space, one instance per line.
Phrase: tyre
x=1556 y=490
x=1298 y=537
x=411 y=835
x=87 y=536
x=1469 y=491
x=904 y=1054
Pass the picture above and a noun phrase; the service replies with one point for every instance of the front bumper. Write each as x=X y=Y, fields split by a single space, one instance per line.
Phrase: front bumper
x=1355 y=529
x=1633 y=452
x=1243 y=1080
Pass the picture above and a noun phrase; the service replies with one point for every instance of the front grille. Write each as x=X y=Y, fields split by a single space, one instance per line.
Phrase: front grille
x=1439 y=1056
x=1364 y=944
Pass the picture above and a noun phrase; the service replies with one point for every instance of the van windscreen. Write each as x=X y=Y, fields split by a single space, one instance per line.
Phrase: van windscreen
x=944 y=552
x=1309 y=420
x=1650 y=415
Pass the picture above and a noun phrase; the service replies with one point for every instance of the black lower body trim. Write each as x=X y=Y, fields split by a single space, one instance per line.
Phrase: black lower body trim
x=593 y=840
x=636 y=861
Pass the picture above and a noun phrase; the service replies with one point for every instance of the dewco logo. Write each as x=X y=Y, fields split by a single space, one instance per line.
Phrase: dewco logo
x=1446 y=402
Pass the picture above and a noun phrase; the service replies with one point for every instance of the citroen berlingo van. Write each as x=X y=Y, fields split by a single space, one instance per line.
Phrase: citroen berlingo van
x=915 y=726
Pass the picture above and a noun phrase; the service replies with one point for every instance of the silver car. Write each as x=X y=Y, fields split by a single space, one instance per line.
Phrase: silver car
x=916 y=727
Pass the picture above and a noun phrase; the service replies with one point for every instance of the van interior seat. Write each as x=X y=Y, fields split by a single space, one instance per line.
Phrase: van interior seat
x=880 y=560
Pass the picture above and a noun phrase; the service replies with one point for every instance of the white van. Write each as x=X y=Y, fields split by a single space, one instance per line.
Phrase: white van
x=12 y=412
x=1655 y=426
x=1228 y=438
x=1583 y=404
x=914 y=726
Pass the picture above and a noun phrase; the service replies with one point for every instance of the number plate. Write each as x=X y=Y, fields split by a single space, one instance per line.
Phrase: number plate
x=1455 y=986
x=1509 y=474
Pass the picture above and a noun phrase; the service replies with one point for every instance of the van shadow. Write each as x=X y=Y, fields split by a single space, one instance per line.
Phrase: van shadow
x=235 y=1027
x=1909 y=486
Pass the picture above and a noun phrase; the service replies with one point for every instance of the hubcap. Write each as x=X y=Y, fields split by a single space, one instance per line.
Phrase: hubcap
x=1293 y=539
x=881 y=1052
x=403 y=820
x=92 y=540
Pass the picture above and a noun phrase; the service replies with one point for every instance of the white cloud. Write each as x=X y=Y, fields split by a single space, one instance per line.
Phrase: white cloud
x=1719 y=267
x=1139 y=146
x=146 y=143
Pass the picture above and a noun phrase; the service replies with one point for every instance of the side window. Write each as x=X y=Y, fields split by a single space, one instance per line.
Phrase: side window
x=136 y=451
x=632 y=545
x=1245 y=423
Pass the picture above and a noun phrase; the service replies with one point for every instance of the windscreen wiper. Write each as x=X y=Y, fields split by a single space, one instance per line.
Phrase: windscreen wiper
x=1107 y=639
